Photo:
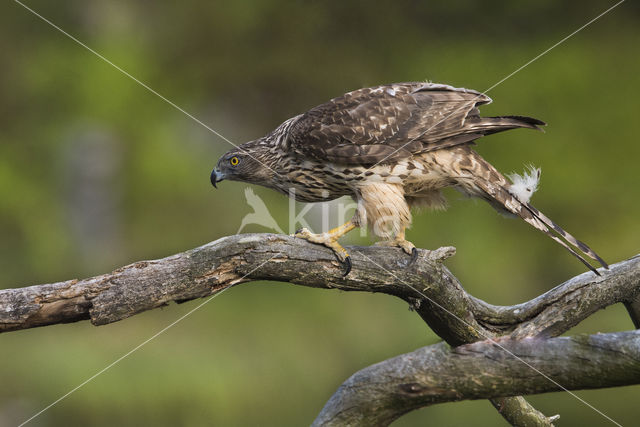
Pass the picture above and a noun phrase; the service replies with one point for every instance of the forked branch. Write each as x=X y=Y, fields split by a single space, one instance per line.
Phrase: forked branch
x=428 y=286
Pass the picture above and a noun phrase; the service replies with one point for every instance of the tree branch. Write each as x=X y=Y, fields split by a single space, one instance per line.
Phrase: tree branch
x=383 y=392
x=427 y=285
x=206 y=270
x=566 y=305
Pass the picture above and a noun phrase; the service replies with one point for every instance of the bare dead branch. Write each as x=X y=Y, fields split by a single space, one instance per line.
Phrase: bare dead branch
x=428 y=286
x=383 y=392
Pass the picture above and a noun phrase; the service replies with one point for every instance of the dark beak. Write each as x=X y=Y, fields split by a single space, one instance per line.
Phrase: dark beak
x=216 y=177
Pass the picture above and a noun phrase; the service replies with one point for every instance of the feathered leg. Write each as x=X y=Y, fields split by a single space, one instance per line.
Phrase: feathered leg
x=385 y=210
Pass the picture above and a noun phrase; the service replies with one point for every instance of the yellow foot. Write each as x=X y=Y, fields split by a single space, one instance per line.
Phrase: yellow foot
x=406 y=246
x=329 y=240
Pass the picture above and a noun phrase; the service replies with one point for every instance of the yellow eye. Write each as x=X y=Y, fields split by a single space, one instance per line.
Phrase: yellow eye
x=234 y=161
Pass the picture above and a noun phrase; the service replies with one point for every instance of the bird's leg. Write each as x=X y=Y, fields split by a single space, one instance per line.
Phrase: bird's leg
x=330 y=240
x=400 y=241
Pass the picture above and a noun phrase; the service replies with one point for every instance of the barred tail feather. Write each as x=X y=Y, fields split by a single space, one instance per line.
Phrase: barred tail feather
x=568 y=237
x=540 y=225
x=503 y=198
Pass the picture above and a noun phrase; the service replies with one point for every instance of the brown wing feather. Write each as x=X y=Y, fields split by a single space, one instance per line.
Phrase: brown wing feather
x=384 y=123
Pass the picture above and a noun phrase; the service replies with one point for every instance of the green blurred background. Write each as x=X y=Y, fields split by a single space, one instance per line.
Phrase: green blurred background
x=96 y=172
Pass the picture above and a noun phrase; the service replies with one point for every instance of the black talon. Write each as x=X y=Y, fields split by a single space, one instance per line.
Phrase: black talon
x=298 y=231
x=347 y=266
x=414 y=256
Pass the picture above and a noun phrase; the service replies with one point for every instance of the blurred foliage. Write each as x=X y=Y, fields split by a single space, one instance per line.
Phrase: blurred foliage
x=97 y=172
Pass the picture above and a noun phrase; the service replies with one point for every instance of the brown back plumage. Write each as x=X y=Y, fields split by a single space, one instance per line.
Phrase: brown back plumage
x=391 y=122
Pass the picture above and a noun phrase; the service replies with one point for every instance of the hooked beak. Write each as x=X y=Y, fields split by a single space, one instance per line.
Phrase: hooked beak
x=216 y=177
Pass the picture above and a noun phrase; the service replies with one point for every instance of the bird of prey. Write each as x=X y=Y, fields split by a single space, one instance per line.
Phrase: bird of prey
x=391 y=148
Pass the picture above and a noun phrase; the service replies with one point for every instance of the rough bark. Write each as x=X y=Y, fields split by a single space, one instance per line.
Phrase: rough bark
x=427 y=285
x=381 y=393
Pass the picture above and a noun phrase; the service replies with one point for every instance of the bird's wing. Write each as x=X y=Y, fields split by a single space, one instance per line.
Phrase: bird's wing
x=389 y=122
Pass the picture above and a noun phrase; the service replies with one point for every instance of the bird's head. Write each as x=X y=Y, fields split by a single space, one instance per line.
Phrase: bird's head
x=248 y=162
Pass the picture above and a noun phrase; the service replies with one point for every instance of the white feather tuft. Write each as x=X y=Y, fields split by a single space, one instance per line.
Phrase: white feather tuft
x=526 y=184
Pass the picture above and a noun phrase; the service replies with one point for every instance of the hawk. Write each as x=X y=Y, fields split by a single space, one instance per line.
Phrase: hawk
x=391 y=148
